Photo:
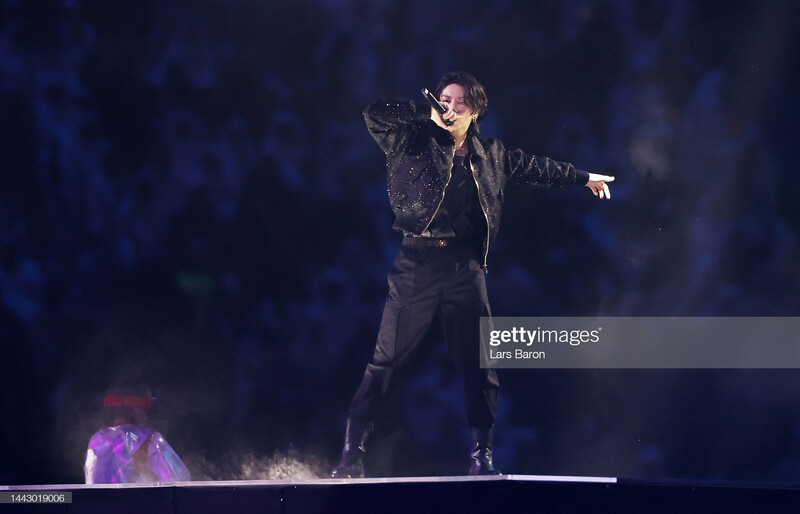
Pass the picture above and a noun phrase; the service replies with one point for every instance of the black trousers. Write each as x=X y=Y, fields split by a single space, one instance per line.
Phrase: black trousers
x=431 y=277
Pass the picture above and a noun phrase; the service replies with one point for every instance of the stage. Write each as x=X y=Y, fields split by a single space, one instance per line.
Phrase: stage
x=496 y=494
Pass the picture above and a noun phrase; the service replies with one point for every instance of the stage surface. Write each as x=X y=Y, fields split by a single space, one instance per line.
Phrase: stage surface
x=496 y=494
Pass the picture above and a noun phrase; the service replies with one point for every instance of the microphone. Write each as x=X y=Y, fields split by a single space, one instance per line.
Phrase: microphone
x=441 y=109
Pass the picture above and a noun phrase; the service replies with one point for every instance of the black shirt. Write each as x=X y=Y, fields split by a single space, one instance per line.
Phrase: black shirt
x=460 y=214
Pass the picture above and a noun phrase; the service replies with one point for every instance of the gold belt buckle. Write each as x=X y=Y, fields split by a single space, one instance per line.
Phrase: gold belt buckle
x=441 y=243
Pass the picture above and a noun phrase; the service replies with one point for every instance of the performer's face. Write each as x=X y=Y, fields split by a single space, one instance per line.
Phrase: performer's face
x=452 y=97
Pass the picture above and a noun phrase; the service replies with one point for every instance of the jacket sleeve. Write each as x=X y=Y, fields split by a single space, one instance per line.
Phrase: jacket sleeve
x=543 y=171
x=391 y=121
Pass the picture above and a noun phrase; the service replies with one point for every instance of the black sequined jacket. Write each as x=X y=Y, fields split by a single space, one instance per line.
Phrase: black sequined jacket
x=419 y=161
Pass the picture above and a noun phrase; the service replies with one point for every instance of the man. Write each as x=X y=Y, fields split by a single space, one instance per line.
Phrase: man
x=445 y=184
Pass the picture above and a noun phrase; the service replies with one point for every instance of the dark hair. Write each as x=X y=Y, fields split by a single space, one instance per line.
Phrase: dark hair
x=474 y=94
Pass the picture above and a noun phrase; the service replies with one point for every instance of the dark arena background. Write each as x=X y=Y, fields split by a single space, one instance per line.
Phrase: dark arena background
x=189 y=196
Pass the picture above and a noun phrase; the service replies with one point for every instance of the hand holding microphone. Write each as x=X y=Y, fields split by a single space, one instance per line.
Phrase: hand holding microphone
x=441 y=109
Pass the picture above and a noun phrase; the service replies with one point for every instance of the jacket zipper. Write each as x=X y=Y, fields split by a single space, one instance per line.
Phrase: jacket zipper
x=486 y=217
x=444 y=191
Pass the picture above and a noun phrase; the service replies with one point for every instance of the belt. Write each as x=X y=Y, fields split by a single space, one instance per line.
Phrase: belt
x=439 y=242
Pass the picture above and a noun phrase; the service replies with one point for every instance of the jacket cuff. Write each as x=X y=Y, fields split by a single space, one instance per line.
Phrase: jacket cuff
x=581 y=177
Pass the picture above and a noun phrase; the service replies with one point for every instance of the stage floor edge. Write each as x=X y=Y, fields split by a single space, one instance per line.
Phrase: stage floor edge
x=492 y=494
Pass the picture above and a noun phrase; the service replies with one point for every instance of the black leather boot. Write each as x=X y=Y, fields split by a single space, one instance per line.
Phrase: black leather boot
x=351 y=464
x=481 y=456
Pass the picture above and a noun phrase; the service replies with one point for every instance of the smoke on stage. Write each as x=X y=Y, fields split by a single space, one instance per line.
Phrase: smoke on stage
x=288 y=465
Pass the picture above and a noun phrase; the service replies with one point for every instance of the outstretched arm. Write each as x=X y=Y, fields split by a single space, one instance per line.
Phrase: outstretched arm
x=598 y=184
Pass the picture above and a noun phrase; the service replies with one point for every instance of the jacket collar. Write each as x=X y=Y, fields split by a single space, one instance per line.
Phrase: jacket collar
x=476 y=146
x=475 y=142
